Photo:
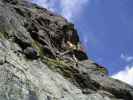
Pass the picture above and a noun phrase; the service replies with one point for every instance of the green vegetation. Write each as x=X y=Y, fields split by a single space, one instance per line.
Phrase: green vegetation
x=34 y=10
x=102 y=70
x=55 y=62
x=38 y=47
x=3 y=35
x=59 y=66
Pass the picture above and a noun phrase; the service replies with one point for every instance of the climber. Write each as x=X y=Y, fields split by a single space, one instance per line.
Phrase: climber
x=70 y=45
x=75 y=50
x=71 y=48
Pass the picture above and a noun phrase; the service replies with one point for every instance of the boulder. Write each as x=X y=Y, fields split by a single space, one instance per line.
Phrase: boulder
x=31 y=53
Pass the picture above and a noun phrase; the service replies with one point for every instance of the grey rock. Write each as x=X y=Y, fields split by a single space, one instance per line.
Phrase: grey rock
x=32 y=31
x=31 y=53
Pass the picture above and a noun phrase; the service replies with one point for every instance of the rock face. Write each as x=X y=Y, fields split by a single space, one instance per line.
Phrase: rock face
x=40 y=59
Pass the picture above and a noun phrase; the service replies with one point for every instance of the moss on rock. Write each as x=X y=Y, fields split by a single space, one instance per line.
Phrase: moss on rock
x=38 y=47
x=3 y=35
x=59 y=66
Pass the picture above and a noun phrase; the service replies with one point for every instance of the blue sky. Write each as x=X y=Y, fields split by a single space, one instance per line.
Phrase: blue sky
x=105 y=29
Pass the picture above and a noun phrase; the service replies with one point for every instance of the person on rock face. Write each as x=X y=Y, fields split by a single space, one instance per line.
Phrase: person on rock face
x=77 y=47
x=72 y=48
x=71 y=43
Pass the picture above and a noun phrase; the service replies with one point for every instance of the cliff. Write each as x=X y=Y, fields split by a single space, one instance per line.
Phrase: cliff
x=41 y=58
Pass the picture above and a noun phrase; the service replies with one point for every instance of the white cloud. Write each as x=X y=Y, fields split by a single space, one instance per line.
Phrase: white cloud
x=71 y=8
x=68 y=8
x=126 y=58
x=125 y=75
x=49 y=4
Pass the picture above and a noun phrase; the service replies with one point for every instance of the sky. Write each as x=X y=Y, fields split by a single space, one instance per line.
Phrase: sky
x=105 y=30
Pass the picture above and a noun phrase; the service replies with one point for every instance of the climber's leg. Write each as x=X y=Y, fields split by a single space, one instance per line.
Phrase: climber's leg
x=64 y=53
x=75 y=60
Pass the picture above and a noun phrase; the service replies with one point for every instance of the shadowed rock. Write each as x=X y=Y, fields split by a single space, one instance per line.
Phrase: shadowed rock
x=55 y=70
x=30 y=53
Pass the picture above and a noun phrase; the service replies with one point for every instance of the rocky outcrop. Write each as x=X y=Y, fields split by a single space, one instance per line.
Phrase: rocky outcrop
x=41 y=59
